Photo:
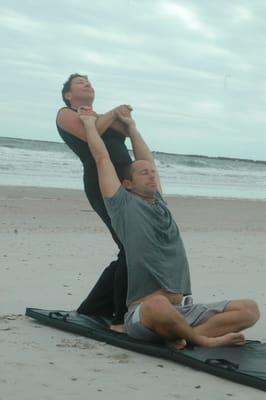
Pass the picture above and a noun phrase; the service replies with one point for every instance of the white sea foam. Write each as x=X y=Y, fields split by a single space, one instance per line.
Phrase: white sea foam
x=46 y=164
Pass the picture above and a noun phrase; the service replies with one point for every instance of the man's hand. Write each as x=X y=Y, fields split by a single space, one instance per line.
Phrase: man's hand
x=118 y=113
x=128 y=121
x=87 y=115
x=124 y=110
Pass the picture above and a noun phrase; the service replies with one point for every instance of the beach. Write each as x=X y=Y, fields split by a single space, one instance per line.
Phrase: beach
x=53 y=249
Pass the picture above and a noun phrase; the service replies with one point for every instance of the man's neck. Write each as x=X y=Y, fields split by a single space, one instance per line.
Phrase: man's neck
x=147 y=199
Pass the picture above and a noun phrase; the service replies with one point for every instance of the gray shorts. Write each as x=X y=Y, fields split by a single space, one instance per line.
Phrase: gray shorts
x=194 y=315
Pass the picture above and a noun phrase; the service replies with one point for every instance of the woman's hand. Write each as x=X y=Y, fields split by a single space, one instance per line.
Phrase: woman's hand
x=124 y=110
x=121 y=117
x=127 y=120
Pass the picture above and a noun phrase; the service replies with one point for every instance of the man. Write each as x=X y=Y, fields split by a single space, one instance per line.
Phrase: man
x=108 y=297
x=158 y=274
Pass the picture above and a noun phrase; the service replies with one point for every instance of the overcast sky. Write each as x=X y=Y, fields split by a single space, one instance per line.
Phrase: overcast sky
x=194 y=71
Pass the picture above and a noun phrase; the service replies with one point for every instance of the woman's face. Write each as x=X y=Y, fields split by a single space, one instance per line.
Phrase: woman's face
x=81 y=89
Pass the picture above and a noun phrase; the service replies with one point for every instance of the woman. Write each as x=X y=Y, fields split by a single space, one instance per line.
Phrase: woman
x=108 y=297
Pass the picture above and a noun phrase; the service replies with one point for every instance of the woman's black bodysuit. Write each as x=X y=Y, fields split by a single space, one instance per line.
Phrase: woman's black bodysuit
x=108 y=297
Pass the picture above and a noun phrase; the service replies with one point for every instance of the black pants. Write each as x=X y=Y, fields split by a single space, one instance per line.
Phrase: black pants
x=108 y=297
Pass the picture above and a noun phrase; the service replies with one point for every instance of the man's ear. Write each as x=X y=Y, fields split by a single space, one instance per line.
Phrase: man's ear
x=127 y=184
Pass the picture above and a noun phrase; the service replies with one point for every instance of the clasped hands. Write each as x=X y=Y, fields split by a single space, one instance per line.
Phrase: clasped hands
x=121 y=113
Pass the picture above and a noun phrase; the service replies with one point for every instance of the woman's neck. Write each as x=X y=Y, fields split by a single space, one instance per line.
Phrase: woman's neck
x=75 y=105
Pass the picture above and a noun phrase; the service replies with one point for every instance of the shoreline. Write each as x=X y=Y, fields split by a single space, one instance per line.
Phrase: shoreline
x=166 y=195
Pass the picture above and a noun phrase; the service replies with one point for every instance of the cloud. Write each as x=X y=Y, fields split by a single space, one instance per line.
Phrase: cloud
x=12 y=20
x=194 y=69
x=114 y=37
x=242 y=14
x=188 y=17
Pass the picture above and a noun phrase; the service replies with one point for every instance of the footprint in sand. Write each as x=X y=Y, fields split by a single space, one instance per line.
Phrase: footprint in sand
x=76 y=343
x=122 y=358
x=10 y=317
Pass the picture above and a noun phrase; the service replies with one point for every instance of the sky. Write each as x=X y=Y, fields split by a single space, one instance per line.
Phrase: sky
x=193 y=71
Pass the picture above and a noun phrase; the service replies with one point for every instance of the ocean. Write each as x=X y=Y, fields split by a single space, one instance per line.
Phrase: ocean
x=26 y=162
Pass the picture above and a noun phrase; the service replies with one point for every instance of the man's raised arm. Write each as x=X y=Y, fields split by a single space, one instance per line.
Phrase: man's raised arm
x=140 y=149
x=108 y=180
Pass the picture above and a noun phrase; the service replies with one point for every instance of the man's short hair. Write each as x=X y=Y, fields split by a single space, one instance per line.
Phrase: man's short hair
x=67 y=86
x=127 y=172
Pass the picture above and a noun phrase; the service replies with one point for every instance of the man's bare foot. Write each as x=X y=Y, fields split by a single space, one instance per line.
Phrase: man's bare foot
x=118 y=328
x=230 y=339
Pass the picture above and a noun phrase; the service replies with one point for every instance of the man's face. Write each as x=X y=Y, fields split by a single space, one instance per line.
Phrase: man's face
x=80 y=89
x=143 y=180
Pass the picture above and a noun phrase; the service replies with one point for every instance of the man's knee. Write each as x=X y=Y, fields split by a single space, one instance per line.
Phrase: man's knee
x=154 y=310
x=248 y=308
x=252 y=310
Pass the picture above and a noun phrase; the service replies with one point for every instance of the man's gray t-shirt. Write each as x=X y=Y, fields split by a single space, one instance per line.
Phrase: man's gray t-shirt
x=156 y=258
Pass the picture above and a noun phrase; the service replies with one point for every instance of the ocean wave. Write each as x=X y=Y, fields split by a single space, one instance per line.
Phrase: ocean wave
x=48 y=164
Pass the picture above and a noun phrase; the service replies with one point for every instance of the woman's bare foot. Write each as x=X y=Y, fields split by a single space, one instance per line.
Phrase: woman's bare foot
x=118 y=328
x=177 y=344
x=230 y=339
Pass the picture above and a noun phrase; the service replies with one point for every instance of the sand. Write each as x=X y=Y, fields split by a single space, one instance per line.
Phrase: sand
x=53 y=248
